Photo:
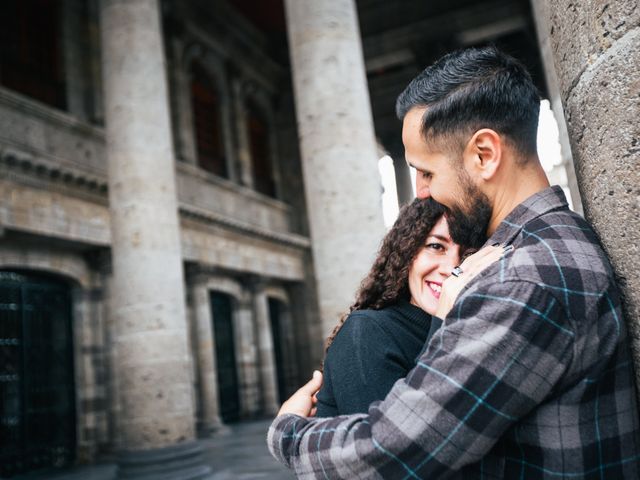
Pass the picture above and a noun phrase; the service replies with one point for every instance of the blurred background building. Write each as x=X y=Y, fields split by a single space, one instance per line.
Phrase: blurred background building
x=278 y=199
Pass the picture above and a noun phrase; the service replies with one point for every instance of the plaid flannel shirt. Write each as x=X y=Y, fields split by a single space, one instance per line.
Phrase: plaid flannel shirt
x=529 y=377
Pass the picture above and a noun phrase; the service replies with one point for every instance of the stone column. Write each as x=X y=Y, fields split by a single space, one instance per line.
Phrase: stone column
x=185 y=142
x=204 y=344
x=151 y=355
x=243 y=152
x=274 y=152
x=338 y=147
x=75 y=53
x=247 y=357
x=86 y=326
x=226 y=116
x=596 y=47
x=268 y=373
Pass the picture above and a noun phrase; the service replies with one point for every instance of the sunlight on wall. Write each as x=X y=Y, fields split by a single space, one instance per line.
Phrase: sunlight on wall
x=549 y=150
x=548 y=138
x=389 y=190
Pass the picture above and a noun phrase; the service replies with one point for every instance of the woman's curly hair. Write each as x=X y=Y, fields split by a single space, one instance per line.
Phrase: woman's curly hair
x=388 y=280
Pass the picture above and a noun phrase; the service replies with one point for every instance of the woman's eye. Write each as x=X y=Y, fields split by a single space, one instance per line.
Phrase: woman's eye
x=435 y=246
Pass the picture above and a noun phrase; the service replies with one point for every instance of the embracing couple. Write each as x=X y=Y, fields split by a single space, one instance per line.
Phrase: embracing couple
x=514 y=363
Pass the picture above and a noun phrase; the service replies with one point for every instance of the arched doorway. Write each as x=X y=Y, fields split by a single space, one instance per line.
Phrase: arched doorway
x=37 y=391
x=226 y=366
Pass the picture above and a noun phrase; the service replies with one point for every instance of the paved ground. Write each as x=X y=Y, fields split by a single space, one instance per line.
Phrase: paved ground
x=239 y=453
x=242 y=454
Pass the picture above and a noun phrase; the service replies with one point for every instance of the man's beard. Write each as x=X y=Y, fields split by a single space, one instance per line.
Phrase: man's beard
x=469 y=228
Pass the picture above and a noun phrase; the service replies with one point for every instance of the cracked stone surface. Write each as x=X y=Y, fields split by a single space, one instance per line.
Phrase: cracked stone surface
x=596 y=47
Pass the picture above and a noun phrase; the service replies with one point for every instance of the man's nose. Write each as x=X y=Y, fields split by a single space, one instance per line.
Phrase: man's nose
x=422 y=189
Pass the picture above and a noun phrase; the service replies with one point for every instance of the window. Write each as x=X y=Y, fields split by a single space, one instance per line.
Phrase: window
x=207 y=122
x=31 y=60
x=260 y=152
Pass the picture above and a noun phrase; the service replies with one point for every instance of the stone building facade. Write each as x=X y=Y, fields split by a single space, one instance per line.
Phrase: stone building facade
x=241 y=297
x=188 y=199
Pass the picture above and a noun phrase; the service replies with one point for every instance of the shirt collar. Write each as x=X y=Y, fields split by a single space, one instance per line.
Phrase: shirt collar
x=549 y=199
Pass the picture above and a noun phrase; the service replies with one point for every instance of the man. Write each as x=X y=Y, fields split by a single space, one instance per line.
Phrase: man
x=530 y=376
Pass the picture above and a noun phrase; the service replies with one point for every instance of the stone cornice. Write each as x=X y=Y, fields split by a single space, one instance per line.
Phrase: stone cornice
x=205 y=216
x=66 y=175
x=51 y=170
x=39 y=110
x=230 y=186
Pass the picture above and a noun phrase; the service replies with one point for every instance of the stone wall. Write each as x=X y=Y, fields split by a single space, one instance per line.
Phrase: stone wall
x=54 y=217
x=596 y=47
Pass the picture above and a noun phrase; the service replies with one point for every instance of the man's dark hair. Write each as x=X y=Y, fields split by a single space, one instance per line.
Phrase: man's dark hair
x=471 y=89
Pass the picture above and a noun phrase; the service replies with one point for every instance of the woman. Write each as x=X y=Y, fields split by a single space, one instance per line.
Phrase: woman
x=378 y=342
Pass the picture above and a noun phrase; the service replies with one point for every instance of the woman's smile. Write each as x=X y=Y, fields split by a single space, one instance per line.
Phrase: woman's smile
x=435 y=287
x=431 y=266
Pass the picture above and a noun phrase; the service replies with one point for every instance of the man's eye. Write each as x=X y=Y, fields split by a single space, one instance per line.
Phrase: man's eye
x=426 y=174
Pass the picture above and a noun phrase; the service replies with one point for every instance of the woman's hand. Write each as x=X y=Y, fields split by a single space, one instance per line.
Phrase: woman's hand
x=303 y=402
x=471 y=267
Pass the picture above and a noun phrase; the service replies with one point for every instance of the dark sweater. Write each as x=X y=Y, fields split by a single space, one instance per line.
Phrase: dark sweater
x=373 y=349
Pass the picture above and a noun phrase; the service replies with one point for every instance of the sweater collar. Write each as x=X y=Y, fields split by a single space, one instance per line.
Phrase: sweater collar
x=415 y=315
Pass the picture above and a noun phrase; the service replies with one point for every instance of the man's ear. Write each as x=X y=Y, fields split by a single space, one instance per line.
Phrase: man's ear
x=483 y=153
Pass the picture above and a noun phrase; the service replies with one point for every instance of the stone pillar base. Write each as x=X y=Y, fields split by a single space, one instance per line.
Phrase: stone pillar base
x=209 y=429
x=179 y=462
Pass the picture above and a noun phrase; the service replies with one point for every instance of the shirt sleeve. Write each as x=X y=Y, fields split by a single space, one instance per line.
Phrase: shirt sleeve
x=361 y=366
x=501 y=351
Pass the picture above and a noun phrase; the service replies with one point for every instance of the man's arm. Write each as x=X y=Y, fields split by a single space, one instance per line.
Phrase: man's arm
x=501 y=351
